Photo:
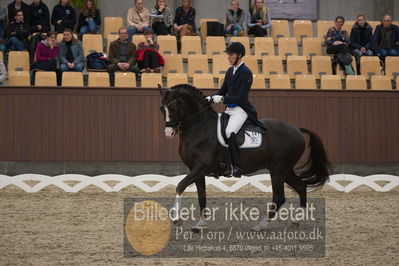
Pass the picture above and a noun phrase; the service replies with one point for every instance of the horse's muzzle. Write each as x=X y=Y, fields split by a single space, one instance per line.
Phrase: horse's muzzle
x=170 y=132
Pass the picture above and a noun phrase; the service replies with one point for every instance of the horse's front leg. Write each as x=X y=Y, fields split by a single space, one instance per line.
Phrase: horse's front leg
x=203 y=222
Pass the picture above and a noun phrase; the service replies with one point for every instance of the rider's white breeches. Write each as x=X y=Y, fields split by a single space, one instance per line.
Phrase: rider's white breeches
x=237 y=118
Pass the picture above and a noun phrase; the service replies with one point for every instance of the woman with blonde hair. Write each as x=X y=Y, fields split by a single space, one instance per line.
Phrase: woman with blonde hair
x=162 y=18
x=89 y=18
x=235 y=17
x=258 y=20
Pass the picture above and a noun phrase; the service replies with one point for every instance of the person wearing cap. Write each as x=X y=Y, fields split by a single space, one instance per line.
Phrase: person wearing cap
x=234 y=93
x=148 y=58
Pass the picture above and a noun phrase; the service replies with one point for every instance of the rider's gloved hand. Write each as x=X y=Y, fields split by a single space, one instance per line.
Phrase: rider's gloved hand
x=217 y=99
x=209 y=99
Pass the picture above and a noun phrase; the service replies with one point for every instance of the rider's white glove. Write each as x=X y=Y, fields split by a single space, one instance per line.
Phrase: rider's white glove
x=209 y=98
x=217 y=99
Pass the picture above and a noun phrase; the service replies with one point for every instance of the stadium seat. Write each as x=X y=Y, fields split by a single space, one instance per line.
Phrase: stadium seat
x=190 y=45
x=322 y=27
x=297 y=65
x=331 y=82
x=392 y=66
x=72 y=79
x=258 y=82
x=125 y=80
x=280 y=82
x=303 y=29
x=215 y=45
x=370 y=66
x=92 y=43
x=221 y=80
x=264 y=46
x=203 y=26
x=138 y=38
x=19 y=78
x=356 y=82
x=1 y=56
x=252 y=63
x=312 y=47
x=220 y=65
x=305 y=82
x=381 y=83
x=321 y=65
x=348 y=26
x=151 y=80
x=167 y=44
x=287 y=47
x=244 y=41
x=176 y=79
x=203 y=81
x=374 y=24
x=99 y=79
x=45 y=79
x=340 y=72
x=272 y=65
x=18 y=61
x=173 y=64
x=112 y=25
x=111 y=38
x=397 y=83
x=197 y=64
x=60 y=37
x=280 y=29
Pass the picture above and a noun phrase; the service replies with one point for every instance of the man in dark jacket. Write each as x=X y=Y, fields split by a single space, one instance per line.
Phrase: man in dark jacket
x=16 y=5
x=122 y=55
x=386 y=39
x=361 y=37
x=18 y=33
x=63 y=16
x=39 y=17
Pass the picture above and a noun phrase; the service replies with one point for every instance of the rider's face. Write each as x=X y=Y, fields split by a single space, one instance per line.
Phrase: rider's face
x=232 y=58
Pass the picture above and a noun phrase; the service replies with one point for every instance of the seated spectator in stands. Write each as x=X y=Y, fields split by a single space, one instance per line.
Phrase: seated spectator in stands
x=138 y=19
x=184 y=24
x=148 y=58
x=235 y=17
x=63 y=16
x=122 y=55
x=3 y=16
x=39 y=17
x=338 y=44
x=18 y=33
x=3 y=72
x=16 y=5
x=71 y=53
x=258 y=19
x=47 y=53
x=386 y=39
x=89 y=19
x=162 y=18
x=361 y=37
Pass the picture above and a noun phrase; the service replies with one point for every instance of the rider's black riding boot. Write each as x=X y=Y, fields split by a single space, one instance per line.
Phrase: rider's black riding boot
x=234 y=150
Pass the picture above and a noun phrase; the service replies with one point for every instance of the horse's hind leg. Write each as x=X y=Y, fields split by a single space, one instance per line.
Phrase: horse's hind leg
x=300 y=187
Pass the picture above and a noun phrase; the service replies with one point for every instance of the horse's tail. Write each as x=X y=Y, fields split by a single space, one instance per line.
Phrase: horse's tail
x=319 y=166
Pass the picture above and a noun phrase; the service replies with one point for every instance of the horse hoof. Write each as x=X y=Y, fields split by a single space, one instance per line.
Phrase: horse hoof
x=178 y=222
x=258 y=228
x=295 y=224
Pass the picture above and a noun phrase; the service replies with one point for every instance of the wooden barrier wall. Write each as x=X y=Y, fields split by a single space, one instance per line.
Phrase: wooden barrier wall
x=85 y=124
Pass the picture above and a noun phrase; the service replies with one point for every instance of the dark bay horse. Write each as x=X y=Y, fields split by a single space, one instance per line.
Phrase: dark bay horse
x=188 y=114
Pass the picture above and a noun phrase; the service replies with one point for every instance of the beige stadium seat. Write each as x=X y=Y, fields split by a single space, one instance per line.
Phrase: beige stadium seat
x=392 y=66
x=92 y=43
x=190 y=45
x=18 y=61
x=340 y=71
x=297 y=65
x=197 y=64
x=99 y=79
x=303 y=29
x=305 y=82
x=112 y=25
x=370 y=66
x=151 y=80
x=167 y=44
x=221 y=80
x=374 y=24
x=203 y=81
x=72 y=79
x=280 y=82
x=323 y=26
x=176 y=79
x=331 y=82
x=258 y=82
x=312 y=47
x=272 y=65
x=173 y=64
x=381 y=83
x=287 y=47
x=1 y=56
x=321 y=65
x=280 y=29
x=125 y=80
x=356 y=82
x=18 y=78
x=60 y=37
x=138 y=38
x=203 y=26
x=215 y=45
x=45 y=79
x=348 y=26
x=220 y=65
x=111 y=38
x=252 y=63
x=264 y=46
x=397 y=83
x=244 y=41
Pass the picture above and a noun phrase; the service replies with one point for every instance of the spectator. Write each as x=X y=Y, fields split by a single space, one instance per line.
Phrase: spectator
x=386 y=39
x=39 y=17
x=16 y=5
x=71 y=53
x=361 y=37
x=122 y=55
x=235 y=17
x=3 y=15
x=148 y=58
x=18 y=33
x=47 y=53
x=138 y=19
x=338 y=44
x=63 y=16
x=89 y=19
x=3 y=72
x=184 y=24
x=162 y=18
x=258 y=19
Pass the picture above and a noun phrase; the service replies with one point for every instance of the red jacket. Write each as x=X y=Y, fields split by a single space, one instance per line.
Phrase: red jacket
x=140 y=56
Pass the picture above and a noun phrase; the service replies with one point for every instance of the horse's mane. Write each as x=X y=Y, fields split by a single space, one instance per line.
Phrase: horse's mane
x=192 y=91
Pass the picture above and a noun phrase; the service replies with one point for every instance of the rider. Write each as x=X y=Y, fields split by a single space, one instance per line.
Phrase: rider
x=234 y=93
